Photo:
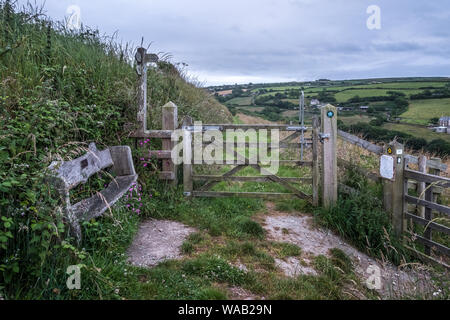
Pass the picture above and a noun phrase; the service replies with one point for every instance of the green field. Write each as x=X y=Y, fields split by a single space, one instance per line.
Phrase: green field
x=241 y=101
x=417 y=131
x=355 y=119
x=344 y=96
x=421 y=111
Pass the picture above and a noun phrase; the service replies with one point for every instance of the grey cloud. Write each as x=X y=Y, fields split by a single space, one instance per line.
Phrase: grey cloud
x=281 y=39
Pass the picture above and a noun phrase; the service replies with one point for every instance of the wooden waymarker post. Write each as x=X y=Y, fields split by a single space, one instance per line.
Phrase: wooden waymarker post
x=329 y=158
x=142 y=89
x=395 y=188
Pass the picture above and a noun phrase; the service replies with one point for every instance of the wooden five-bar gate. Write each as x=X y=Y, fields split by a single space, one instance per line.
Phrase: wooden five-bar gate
x=404 y=208
x=241 y=162
x=322 y=143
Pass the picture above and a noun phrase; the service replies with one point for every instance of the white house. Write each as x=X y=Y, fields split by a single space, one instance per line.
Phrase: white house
x=314 y=102
x=444 y=125
x=444 y=122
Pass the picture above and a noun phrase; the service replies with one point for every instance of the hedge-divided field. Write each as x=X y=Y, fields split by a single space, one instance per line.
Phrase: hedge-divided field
x=394 y=104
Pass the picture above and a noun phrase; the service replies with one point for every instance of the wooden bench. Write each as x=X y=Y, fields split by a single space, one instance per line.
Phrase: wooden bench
x=66 y=175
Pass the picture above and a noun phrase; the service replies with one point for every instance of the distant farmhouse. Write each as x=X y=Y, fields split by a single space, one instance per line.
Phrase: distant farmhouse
x=444 y=125
x=364 y=108
x=444 y=122
x=314 y=102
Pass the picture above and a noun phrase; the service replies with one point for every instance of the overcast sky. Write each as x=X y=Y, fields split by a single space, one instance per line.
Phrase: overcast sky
x=241 y=41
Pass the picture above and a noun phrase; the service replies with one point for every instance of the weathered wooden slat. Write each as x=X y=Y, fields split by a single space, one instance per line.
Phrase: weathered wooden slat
x=285 y=184
x=123 y=161
x=427 y=178
x=426 y=258
x=281 y=145
x=233 y=171
x=77 y=171
x=95 y=206
x=432 y=164
x=246 y=162
x=360 y=142
x=428 y=204
x=225 y=126
x=412 y=185
x=439 y=247
x=262 y=195
x=247 y=179
x=425 y=222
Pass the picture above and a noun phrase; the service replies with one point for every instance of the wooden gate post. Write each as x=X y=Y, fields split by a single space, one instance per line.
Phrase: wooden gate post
x=398 y=188
x=187 y=158
x=169 y=122
x=315 y=159
x=142 y=89
x=329 y=158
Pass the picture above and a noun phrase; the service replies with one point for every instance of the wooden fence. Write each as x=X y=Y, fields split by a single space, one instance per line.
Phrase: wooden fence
x=406 y=209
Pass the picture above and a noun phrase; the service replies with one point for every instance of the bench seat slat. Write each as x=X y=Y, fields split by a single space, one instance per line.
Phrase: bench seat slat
x=96 y=205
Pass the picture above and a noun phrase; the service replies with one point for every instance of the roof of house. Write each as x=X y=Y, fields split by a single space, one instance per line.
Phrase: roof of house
x=444 y=119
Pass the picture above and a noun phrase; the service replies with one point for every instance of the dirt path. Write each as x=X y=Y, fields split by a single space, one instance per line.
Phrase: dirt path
x=157 y=241
x=299 y=229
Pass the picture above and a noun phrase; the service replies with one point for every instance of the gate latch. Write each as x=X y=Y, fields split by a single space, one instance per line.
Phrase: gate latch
x=324 y=136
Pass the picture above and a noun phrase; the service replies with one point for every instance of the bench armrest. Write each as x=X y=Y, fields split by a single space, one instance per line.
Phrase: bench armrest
x=123 y=161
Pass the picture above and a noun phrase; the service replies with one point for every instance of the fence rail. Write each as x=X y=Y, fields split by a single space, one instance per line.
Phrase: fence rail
x=427 y=207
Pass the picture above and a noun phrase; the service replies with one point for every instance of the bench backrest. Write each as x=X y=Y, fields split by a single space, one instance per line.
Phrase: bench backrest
x=77 y=171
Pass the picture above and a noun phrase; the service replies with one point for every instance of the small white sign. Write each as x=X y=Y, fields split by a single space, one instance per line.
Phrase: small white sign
x=387 y=167
x=399 y=152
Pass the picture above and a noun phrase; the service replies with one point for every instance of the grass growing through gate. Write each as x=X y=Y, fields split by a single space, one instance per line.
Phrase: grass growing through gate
x=360 y=218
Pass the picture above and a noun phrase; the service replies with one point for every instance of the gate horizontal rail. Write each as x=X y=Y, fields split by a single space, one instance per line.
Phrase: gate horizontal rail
x=247 y=179
x=261 y=195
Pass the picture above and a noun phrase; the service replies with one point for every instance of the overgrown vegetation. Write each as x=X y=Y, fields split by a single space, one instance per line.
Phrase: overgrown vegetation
x=360 y=218
x=59 y=91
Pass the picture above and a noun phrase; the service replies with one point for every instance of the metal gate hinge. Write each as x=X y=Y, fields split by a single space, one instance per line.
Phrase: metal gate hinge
x=324 y=136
